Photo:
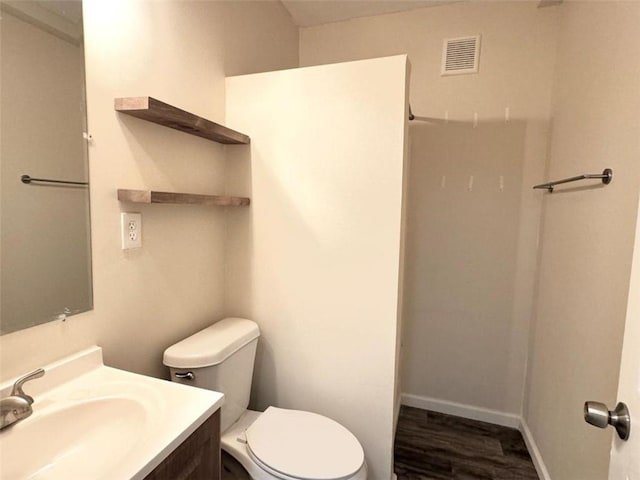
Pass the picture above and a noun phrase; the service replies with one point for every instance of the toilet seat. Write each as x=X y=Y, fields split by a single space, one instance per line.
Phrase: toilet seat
x=299 y=445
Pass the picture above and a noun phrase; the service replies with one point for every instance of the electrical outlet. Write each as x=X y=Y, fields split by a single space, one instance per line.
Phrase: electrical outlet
x=131 y=230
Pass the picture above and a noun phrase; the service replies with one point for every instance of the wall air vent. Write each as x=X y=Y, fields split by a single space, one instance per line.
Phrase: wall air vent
x=460 y=55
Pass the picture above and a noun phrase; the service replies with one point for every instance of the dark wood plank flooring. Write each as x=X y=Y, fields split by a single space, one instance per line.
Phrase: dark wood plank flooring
x=435 y=446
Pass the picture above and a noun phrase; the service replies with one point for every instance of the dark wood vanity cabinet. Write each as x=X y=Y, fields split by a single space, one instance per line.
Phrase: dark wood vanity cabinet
x=197 y=458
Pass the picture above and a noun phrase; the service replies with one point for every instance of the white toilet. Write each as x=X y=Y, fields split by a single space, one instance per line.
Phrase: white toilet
x=276 y=443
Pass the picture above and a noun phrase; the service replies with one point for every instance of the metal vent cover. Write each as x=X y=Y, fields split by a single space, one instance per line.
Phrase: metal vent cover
x=460 y=55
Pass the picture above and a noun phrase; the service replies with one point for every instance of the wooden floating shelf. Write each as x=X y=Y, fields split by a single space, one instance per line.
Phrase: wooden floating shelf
x=152 y=110
x=150 y=196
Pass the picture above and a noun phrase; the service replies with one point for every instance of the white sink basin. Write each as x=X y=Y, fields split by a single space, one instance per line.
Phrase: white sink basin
x=74 y=436
x=95 y=422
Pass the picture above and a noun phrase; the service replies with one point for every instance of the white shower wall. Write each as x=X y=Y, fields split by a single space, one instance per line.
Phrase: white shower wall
x=470 y=274
x=316 y=259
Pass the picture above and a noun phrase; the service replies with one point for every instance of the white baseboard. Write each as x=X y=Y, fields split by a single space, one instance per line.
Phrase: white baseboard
x=541 y=468
x=484 y=415
x=461 y=410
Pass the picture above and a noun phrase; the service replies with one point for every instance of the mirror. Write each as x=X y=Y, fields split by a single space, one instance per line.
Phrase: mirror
x=45 y=256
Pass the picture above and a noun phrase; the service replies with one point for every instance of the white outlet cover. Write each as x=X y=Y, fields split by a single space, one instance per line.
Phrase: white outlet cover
x=131 y=230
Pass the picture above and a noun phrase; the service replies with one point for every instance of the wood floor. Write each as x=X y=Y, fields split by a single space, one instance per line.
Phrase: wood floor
x=435 y=446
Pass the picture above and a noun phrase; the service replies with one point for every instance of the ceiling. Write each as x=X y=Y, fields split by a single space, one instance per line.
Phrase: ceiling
x=306 y=13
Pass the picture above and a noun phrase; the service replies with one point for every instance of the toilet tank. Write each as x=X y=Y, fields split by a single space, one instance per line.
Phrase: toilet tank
x=219 y=358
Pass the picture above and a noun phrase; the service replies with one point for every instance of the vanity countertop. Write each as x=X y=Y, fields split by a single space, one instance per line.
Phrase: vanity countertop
x=94 y=421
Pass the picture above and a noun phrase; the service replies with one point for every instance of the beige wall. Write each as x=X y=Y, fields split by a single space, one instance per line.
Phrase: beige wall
x=316 y=260
x=471 y=255
x=147 y=299
x=255 y=34
x=587 y=236
x=45 y=240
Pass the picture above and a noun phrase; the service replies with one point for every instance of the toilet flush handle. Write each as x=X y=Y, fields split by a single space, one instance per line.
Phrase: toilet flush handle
x=185 y=375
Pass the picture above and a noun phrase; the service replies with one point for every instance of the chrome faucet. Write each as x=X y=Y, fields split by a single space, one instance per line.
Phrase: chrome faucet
x=17 y=406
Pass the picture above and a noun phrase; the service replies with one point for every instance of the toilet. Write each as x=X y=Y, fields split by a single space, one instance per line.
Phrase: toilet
x=277 y=443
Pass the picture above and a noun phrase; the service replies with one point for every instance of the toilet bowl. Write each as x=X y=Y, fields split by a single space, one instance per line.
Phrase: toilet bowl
x=307 y=457
x=277 y=443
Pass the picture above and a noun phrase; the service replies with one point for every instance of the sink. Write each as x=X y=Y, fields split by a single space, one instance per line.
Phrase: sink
x=74 y=436
x=100 y=423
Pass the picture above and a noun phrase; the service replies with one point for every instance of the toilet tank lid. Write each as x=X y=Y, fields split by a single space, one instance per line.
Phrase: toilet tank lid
x=212 y=345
